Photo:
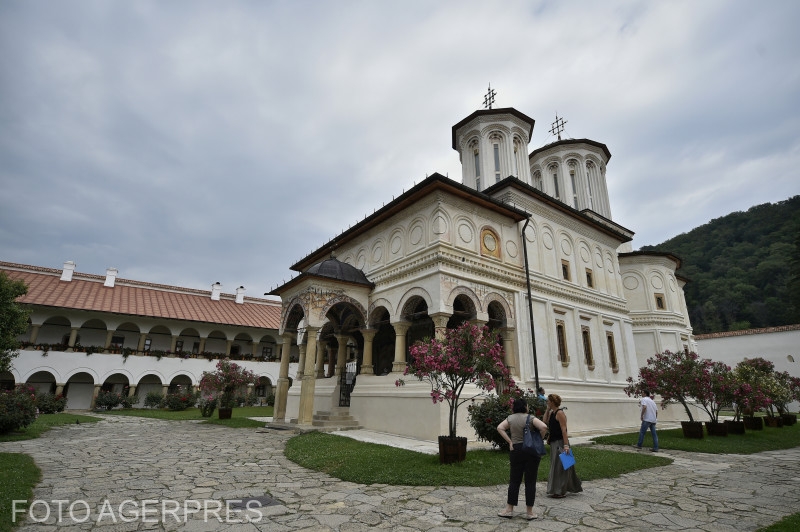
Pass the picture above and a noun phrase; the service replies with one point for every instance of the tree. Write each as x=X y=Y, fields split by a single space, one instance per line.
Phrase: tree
x=227 y=378
x=714 y=388
x=671 y=375
x=754 y=377
x=13 y=319
x=466 y=355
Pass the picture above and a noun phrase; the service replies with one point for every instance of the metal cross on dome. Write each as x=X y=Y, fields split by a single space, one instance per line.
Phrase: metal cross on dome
x=488 y=100
x=558 y=127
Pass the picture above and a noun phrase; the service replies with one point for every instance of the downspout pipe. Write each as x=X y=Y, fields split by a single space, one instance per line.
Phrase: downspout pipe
x=530 y=302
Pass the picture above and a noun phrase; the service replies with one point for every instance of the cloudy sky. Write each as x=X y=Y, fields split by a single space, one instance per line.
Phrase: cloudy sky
x=187 y=143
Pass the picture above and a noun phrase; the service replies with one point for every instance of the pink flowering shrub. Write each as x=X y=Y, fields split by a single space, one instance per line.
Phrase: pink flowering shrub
x=758 y=386
x=467 y=355
x=227 y=378
x=673 y=376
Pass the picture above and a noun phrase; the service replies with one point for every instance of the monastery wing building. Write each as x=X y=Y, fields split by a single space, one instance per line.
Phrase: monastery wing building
x=525 y=244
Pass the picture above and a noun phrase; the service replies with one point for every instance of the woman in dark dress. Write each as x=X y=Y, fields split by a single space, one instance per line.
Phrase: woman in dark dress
x=560 y=480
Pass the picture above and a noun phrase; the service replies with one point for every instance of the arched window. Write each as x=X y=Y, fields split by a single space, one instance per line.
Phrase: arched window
x=561 y=337
x=537 y=180
x=553 y=170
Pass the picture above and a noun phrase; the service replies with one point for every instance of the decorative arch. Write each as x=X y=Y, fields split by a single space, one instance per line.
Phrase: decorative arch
x=83 y=369
x=343 y=298
x=493 y=300
x=467 y=293
x=376 y=305
x=115 y=371
x=182 y=373
x=409 y=296
x=294 y=314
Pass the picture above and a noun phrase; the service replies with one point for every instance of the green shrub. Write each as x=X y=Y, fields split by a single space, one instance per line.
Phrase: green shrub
x=47 y=403
x=271 y=400
x=17 y=408
x=153 y=399
x=485 y=415
x=180 y=400
x=207 y=405
x=107 y=400
x=247 y=400
x=128 y=401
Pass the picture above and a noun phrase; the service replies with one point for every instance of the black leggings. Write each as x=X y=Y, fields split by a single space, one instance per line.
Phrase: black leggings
x=526 y=464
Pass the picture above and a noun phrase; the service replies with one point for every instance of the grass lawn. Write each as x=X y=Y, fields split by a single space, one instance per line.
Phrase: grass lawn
x=239 y=417
x=752 y=441
x=790 y=523
x=369 y=463
x=43 y=423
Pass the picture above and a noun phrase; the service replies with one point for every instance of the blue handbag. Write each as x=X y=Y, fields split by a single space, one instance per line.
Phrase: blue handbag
x=531 y=440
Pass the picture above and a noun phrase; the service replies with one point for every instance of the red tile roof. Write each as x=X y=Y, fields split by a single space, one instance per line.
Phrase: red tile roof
x=87 y=292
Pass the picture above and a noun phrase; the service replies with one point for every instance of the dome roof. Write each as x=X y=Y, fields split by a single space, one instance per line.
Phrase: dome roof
x=332 y=268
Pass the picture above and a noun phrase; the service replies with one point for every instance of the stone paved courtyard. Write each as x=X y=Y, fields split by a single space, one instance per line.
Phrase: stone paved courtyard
x=180 y=467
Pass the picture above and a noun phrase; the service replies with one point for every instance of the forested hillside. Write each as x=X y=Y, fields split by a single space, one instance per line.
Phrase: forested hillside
x=744 y=268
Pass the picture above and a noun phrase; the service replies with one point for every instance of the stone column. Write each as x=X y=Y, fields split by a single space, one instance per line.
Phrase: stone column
x=73 y=335
x=279 y=411
x=60 y=387
x=165 y=389
x=367 y=367
x=142 y=338
x=302 y=363
x=322 y=351
x=34 y=333
x=254 y=351
x=400 y=330
x=251 y=388
x=94 y=396
x=109 y=338
x=341 y=354
x=331 y=362
x=440 y=320
x=172 y=344
x=131 y=390
x=202 y=347
x=228 y=345
x=510 y=348
x=306 y=413
x=478 y=323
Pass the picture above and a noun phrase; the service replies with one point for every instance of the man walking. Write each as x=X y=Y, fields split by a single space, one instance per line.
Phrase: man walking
x=649 y=416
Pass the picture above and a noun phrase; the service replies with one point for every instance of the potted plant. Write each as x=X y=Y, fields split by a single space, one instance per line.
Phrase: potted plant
x=225 y=381
x=712 y=389
x=466 y=355
x=755 y=373
x=671 y=376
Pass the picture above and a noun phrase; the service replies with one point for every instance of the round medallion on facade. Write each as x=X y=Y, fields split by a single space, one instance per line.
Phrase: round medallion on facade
x=547 y=240
x=530 y=234
x=672 y=286
x=609 y=265
x=585 y=253
x=630 y=282
x=465 y=233
x=566 y=247
x=511 y=249
x=657 y=283
x=396 y=245
x=598 y=259
x=489 y=242
x=416 y=235
x=377 y=253
x=361 y=261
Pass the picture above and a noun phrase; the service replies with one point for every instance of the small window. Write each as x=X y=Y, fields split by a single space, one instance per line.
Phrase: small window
x=555 y=186
x=148 y=342
x=117 y=342
x=266 y=352
x=565 y=270
x=574 y=189
x=477 y=164
x=537 y=180
x=612 y=352
x=235 y=349
x=496 y=163
x=660 y=302
x=587 y=347
x=561 y=336
x=589 y=278
x=178 y=346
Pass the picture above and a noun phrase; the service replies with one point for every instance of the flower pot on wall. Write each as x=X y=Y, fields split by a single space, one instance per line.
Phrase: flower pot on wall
x=735 y=427
x=692 y=429
x=716 y=429
x=753 y=423
x=452 y=450
x=225 y=413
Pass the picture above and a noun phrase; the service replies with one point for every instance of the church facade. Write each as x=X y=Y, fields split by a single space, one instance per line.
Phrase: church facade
x=525 y=244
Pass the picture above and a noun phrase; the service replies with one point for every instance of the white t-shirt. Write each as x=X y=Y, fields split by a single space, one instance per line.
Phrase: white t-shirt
x=651 y=411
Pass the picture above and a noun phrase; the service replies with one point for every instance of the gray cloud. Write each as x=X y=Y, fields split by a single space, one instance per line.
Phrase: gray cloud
x=193 y=142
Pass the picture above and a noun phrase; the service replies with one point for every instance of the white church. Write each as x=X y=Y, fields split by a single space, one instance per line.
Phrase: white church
x=525 y=243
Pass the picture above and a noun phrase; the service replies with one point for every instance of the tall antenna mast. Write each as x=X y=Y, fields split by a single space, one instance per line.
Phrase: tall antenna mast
x=558 y=126
x=488 y=100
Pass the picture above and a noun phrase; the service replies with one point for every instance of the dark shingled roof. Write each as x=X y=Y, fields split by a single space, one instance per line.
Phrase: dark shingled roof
x=333 y=268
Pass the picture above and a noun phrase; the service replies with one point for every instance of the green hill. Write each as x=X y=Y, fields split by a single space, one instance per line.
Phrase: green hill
x=743 y=268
